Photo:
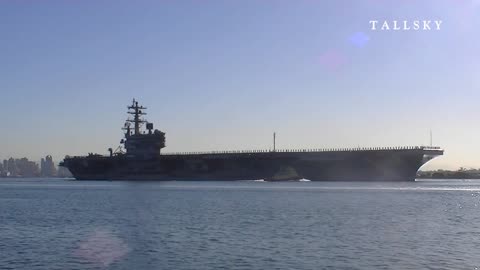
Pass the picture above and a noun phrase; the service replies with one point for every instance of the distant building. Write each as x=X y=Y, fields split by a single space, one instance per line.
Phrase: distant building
x=22 y=167
x=5 y=168
x=48 y=167
x=19 y=168
x=27 y=168
x=12 y=167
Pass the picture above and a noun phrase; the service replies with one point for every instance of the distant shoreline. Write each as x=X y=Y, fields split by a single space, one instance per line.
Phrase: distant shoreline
x=462 y=173
x=34 y=177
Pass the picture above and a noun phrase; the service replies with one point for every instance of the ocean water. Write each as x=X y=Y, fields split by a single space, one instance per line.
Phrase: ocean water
x=60 y=224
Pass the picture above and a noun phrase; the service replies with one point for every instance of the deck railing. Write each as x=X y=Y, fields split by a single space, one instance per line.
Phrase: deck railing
x=307 y=150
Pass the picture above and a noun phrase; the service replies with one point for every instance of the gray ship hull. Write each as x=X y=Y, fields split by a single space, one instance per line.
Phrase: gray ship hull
x=385 y=164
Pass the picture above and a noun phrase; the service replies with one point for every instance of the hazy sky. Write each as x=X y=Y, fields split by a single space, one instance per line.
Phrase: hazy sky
x=223 y=75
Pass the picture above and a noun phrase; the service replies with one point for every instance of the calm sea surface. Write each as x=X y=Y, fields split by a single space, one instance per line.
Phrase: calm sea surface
x=60 y=224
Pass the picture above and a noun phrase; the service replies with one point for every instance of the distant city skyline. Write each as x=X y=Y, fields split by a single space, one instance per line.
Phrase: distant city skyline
x=225 y=75
x=24 y=167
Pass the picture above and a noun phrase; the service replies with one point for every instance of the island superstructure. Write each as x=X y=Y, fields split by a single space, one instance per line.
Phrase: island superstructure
x=140 y=158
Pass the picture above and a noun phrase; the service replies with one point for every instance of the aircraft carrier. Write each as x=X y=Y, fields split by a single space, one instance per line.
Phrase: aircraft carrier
x=139 y=157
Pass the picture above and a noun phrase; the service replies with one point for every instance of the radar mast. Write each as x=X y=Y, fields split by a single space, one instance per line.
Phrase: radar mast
x=137 y=112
